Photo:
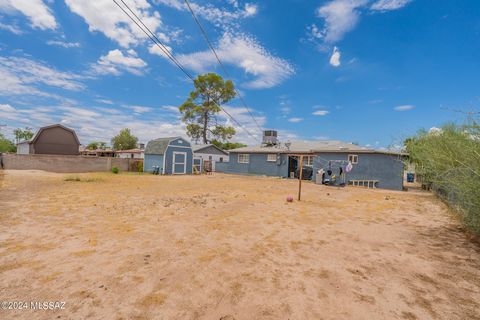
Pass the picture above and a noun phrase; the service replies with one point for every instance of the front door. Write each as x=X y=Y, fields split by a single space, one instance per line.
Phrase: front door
x=179 y=165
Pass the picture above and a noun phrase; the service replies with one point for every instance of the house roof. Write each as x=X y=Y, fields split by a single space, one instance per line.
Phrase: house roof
x=130 y=151
x=198 y=147
x=309 y=147
x=37 y=134
x=158 y=146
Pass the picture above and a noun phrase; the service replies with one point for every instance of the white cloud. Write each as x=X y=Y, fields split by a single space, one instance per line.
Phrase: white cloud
x=246 y=53
x=21 y=76
x=154 y=49
x=295 y=120
x=105 y=16
x=335 y=58
x=105 y=101
x=6 y=108
x=218 y=16
x=405 y=107
x=386 y=5
x=63 y=44
x=435 y=131
x=250 y=10
x=242 y=115
x=340 y=17
x=116 y=61
x=320 y=113
x=140 y=109
x=12 y=28
x=36 y=11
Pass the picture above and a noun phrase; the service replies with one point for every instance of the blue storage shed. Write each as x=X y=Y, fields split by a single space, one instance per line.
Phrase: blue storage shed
x=173 y=155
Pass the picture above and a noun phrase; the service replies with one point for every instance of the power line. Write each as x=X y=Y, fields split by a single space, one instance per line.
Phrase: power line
x=154 y=38
x=202 y=30
x=170 y=56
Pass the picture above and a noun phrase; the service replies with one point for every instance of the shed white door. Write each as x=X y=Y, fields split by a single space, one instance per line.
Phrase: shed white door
x=179 y=165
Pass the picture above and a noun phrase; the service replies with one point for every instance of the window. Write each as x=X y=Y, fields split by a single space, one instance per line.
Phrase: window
x=308 y=161
x=353 y=158
x=221 y=159
x=243 y=158
x=271 y=157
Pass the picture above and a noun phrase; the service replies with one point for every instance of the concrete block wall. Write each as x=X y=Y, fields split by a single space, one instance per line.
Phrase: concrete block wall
x=62 y=163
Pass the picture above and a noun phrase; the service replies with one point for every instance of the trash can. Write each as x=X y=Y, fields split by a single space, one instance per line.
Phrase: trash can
x=318 y=178
x=410 y=177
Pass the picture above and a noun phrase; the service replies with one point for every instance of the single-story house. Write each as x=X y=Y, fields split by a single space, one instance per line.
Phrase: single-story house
x=97 y=152
x=54 y=139
x=209 y=154
x=130 y=154
x=372 y=168
x=172 y=155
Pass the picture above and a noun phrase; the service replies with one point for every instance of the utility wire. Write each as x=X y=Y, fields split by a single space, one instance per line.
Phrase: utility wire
x=169 y=55
x=202 y=30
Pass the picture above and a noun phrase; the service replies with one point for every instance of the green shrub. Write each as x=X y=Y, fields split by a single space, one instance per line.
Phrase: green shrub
x=115 y=169
x=448 y=162
x=72 y=178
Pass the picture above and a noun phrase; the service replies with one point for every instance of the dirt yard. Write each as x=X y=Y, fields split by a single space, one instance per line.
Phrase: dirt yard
x=229 y=247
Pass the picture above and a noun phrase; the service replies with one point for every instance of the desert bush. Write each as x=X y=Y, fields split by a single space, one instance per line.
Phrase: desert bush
x=78 y=179
x=448 y=161
x=72 y=178
x=115 y=169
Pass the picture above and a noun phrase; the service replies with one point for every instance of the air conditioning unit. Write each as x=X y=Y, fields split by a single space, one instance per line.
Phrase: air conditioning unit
x=270 y=137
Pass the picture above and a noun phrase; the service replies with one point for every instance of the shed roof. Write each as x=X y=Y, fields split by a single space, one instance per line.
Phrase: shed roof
x=158 y=146
x=37 y=134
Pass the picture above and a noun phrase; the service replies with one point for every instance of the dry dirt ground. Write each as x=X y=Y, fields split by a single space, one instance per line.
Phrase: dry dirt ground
x=229 y=247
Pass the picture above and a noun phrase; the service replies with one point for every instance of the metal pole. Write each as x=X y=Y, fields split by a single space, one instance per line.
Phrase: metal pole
x=300 y=179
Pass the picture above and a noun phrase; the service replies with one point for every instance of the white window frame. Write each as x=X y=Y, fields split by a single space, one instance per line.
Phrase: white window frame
x=353 y=158
x=246 y=157
x=308 y=163
x=271 y=157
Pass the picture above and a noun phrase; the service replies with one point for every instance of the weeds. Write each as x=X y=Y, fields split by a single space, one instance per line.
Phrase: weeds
x=447 y=160
x=78 y=179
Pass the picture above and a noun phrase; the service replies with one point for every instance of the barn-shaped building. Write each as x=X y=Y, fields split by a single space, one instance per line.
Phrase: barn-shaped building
x=171 y=155
x=54 y=139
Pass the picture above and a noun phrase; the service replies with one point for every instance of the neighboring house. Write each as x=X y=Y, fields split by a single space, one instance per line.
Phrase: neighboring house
x=383 y=169
x=209 y=152
x=171 y=155
x=54 y=139
x=97 y=152
x=130 y=154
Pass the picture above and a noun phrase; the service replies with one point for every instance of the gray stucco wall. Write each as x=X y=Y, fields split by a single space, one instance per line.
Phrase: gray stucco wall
x=62 y=163
x=387 y=169
x=258 y=165
x=152 y=160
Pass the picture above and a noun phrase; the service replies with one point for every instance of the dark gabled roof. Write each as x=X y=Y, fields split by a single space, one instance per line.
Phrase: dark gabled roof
x=198 y=147
x=158 y=146
x=37 y=134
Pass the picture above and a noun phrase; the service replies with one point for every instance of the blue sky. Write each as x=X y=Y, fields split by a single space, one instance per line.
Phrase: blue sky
x=367 y=71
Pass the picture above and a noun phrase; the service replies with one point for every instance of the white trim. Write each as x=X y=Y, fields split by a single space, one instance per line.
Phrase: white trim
x=184 y=162
x=354 y=156
x=178 y=146
x=243 y=154
x=164 y=157
x=271 y=160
